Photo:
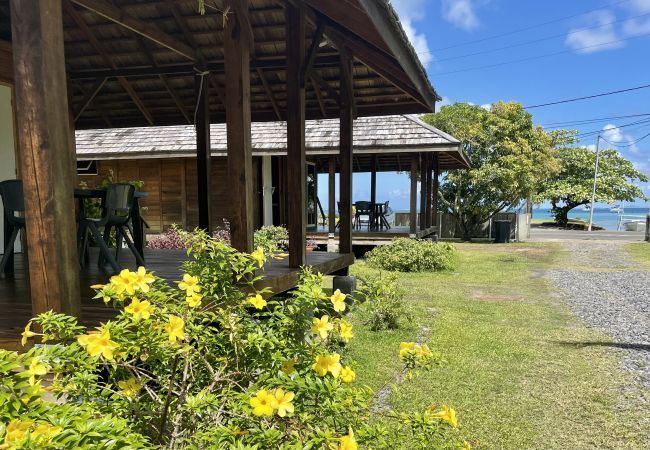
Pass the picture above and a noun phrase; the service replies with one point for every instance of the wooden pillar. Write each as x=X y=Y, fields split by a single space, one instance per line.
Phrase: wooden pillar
x=413 y=223
x=423 y=191
x=203 y=157
x=373 y=180
x=332 y=195
x=346 y=115
x=46 y=155
x=429 y=189
x=296 y=161
x=238 y=125
x=436 y=188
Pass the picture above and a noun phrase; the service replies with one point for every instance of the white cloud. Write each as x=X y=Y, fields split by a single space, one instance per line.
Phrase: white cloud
x=411 y=11
x=616 y=137
x=600 y=35
x=636 y=27
x=639 y=6
x=460 y=13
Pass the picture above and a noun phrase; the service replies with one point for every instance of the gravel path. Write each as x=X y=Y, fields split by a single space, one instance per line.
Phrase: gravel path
x=610 y=292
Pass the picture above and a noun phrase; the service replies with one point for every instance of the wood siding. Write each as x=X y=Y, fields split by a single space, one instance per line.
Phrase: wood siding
x=172 y=189
x=6 y=63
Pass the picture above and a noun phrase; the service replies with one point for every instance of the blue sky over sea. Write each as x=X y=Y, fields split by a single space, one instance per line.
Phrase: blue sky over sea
x=483 y=51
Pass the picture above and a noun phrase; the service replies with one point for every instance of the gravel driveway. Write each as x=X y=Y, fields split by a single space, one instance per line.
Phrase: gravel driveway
x=610 y=291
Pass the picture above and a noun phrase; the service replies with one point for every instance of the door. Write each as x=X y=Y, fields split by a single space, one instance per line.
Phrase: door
x=7 y=146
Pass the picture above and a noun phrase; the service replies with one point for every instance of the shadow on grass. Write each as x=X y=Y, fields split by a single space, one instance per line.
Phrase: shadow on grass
x=623 y=345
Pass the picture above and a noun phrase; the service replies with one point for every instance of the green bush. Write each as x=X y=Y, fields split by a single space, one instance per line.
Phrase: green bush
x=271 y=239
x=383 y=302
x=205 y=363
x=412 y=255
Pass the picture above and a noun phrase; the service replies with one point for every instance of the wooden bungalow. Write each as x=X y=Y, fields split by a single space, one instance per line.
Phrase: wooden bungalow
x=164 y=158
x=81 y=64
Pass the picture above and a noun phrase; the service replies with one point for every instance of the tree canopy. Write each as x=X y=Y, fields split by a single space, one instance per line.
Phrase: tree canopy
x=573 y=184
x=509 y=156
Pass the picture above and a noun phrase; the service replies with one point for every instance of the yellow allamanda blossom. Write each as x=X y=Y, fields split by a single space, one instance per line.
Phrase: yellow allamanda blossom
x=264 y=403
x=16 y=430
x=175 y=328
x=345 y=330
x=347 y=375
x=328 y=363
x=283 y=402
x=44 y=432
x=194 y=300
x=447 y=414
x=257 y=301
x=98 y=343
x=139 y=310
x=322 y=326
x=259 y=257
x=28 y=333
x=125 y=282
x=142 y=279
x=338 y=301
x=348 y=442
x=130 y=387
x=35 y=369
x=424 y=350
x=466 y=446
x=189 y=284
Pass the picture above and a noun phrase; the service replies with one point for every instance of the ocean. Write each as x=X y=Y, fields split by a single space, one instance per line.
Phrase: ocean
x=603 y=217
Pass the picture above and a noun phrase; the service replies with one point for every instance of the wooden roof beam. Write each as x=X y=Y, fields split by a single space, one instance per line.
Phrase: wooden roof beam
x=143 y=28
x=334 y=95
x=311 y=54
x=89 y=97
x=319 y=97
x=269 y=93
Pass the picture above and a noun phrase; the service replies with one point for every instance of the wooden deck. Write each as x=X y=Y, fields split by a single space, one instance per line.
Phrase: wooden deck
x=15 y=304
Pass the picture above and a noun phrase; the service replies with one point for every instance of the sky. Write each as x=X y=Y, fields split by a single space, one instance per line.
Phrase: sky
x=534 y=52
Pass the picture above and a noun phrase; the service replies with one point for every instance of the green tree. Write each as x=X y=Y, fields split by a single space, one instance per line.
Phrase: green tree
x=573 y=185
x=509 y=158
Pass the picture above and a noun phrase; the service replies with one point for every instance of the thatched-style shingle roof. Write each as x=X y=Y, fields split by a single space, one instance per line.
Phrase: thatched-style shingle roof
x=387 y=137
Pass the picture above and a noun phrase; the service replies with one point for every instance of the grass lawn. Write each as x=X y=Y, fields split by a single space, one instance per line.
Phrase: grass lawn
x=512 y=373
x=640 y=251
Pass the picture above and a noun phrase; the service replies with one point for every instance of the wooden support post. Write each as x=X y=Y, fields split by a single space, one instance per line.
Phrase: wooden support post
x=331 y=207
x=436 y=188
x=423 y=191
x=47 y=155
x=413 y=225
x=237 y=48
x=203 y=157
x=346 y=116
x=373 y=180
x=429 y=189
x=296 y=160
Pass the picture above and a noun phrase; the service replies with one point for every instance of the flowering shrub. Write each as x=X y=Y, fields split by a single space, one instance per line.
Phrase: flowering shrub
x=383 y=301
x=176 y=238
x=412 y=255
x=272 y=239
x=209 y=362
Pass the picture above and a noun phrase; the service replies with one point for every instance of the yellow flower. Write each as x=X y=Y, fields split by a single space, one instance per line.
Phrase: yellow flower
x=348 y=442
x=321 y=326
x=175 y=329
x=139 y=310
x=259 y=257
x=283 y=402
x=124 y=282
x=194 y=300
x=338 y=301
x=406 y=347
x=345 y=330
x=45 y=432
x=28 y=333
x=130 y=387
x=466 y=446
x=424 y=351
x=16 y=430
x=288 y=367
x=258 y=301
x=328 y=363
x=264 y=403
x=189 y=284
x=98 y=343
x=348 y=375
x=143 y=279
x=448 y=415
x=36 y=369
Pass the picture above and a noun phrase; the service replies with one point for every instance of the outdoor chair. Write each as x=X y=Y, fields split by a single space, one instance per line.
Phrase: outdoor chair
x=353 y=215
x=116 y=214
x=11 y=192
x=383 y=217
x=364 y=210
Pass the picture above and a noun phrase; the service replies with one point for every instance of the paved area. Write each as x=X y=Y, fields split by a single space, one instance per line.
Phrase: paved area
x=610 y=292
x=550 y=234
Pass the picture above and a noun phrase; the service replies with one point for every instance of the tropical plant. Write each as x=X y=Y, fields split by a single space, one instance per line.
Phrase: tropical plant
x=271 y=239
x=383 y=301
x=209 y=363
x=413 y=255
x=573 y=185
x=509 y=158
